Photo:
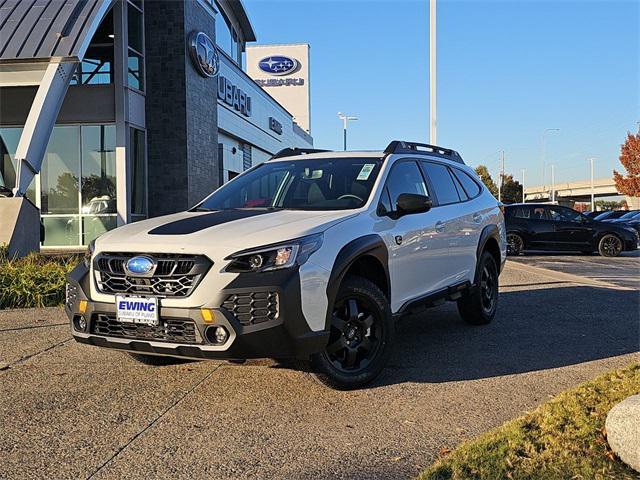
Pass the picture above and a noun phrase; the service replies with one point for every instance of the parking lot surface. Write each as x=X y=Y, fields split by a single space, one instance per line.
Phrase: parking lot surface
x=623 y=271
x=74 y=411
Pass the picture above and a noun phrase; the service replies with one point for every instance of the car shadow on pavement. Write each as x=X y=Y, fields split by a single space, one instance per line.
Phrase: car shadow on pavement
x=533 y=330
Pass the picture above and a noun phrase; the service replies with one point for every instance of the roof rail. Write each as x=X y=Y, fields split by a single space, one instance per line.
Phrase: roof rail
x=292 y=152
x=399 y=146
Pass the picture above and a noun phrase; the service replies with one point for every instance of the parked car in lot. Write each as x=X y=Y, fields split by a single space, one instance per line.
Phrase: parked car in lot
x=553 y=227
x=592 y=214
x=630 y=215
x=311 y=255
x=610 y=215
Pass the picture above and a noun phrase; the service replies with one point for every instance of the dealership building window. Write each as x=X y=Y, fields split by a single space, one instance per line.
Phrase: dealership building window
x=226 y=36
x=97 y=66
x=135 y=32
x=76 y=188
x=138 y=174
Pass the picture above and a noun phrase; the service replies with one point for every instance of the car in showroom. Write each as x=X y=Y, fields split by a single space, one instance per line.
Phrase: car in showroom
x=312 y=255
x=533 y=226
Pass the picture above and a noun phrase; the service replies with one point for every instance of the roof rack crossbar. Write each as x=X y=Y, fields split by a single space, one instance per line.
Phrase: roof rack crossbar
x=292 y=152
x=399 y=146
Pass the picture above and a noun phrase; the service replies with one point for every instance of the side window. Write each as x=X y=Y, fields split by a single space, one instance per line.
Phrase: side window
x=405 y=177
x=564 y=215
x=461 y=192
x=538 y=213
x=442 y=183
x=384 y=206
x=519 y=212
x=470 y=185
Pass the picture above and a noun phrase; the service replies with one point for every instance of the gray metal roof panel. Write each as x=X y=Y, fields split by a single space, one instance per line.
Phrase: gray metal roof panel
x=40 y=29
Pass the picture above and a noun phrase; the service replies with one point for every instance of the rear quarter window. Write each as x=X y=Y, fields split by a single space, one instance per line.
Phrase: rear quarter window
x=471 y=187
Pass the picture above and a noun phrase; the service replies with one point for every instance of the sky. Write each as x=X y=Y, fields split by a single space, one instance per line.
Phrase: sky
x=507 y=70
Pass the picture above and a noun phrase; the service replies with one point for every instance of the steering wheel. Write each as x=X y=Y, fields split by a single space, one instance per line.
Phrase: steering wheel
x=349 y=195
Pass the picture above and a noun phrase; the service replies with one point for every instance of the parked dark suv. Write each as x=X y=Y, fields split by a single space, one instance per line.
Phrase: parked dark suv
x=552 y=227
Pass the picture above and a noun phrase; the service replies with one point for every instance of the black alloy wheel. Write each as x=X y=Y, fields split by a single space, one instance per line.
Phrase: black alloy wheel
x=479 y=305
x=610 y=246
x=515 y=244
x=361 y=331
x=489 y=287
x=355 y=334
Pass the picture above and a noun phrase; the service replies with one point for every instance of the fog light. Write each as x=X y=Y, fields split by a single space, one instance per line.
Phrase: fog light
x=221 y=335
x=217 y=335
x=80 y=323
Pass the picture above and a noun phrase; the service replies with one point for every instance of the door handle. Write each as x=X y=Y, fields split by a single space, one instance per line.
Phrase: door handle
x=440 y=226
x=477 y=217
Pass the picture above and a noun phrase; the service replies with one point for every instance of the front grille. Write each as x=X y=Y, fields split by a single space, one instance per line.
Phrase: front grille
x=252 y=307
x=174 y=275
x=169 y=330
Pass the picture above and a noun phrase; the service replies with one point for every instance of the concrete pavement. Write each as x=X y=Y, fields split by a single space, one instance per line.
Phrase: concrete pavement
x=73 y=411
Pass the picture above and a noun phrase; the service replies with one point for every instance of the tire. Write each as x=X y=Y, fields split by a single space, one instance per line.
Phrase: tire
x=610 y=245
x=515 y=244
x=361 y=336
x=156 y=360
x=478 y=307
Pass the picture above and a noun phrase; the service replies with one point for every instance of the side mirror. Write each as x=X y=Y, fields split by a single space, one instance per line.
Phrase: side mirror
x=409 y=203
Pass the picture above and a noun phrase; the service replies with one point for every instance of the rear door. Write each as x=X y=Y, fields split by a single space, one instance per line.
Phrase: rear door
x=455 y=220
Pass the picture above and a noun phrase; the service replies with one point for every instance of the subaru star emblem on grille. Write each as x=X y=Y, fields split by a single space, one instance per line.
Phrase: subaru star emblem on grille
x=140 y=266
x=278 y=65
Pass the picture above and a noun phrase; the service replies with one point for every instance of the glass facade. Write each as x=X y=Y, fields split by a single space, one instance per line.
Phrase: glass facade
x=135 y=34
x=96 y=67
x=76 y=188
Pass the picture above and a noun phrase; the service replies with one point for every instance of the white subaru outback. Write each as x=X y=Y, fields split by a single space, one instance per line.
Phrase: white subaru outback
x=312 y=255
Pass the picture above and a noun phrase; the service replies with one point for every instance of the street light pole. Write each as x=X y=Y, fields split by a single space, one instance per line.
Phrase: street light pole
x=345 y=122
x=432 y=72
x=543 y=148
x=523 y=171
x=553 y=183
x=500 y=180
x=593 y=203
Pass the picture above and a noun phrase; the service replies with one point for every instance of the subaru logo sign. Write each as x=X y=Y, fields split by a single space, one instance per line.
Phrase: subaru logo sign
x=140 y=266
x=204 y=54
x=278 y=65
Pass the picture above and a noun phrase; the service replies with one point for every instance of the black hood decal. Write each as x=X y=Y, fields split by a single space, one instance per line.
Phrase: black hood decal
x=194 y=224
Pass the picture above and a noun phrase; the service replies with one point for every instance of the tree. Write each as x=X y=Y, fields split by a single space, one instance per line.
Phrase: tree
x=630 y=159
x=483 y=172
x=511 y=190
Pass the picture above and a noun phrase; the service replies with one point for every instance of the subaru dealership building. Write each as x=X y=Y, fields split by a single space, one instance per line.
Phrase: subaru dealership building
x=112 y=111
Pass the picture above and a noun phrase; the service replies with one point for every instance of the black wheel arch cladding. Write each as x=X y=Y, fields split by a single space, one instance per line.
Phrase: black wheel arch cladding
x=369 y=245
x=489 y=232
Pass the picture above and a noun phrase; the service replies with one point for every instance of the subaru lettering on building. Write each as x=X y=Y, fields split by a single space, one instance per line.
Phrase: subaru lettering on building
x=234 y=96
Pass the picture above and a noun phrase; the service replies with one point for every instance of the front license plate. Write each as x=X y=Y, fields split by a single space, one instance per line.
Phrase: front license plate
x=143 y=310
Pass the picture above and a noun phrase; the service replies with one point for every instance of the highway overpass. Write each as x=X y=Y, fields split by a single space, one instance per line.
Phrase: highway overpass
x=570 y=192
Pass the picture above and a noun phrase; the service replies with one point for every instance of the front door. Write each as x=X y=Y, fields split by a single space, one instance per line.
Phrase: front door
x=570 y=230
x=415 y=244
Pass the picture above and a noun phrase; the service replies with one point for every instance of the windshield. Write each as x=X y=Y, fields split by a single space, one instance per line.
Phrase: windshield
x=320 y=184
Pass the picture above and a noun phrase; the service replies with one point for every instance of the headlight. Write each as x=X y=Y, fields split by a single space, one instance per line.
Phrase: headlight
x=89 y=253
x=275 y=257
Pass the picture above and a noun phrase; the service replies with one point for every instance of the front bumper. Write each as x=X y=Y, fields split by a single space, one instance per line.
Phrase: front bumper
x=286 y=336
